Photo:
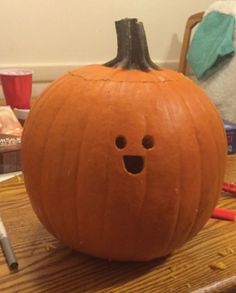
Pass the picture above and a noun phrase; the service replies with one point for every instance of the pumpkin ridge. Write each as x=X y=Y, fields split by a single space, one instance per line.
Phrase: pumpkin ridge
x=219 y=158
x=193 y=226
x=57 y=233
x=61 y=207
x=179 y=183
x=41 y=103
x=184 y=105
x=104 y=237
x=77 y=193
x=212 y=132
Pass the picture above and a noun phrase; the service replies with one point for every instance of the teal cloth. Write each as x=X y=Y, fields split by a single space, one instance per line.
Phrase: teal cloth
x=212 y=44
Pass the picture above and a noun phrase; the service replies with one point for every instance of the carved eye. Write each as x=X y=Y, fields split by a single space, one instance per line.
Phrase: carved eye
x=121 y=142
x=148 y=141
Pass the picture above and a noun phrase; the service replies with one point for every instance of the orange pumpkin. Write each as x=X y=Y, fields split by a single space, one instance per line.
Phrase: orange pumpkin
x=124 y=161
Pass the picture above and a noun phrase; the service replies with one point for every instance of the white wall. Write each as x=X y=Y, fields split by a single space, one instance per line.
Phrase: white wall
x=52 y=35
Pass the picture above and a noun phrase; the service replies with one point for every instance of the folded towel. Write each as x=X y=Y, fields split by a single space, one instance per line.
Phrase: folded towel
x=212 y=44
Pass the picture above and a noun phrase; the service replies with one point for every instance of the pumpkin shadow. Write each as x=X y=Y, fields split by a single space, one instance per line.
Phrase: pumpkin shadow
x=65 y=270
x=102 y=274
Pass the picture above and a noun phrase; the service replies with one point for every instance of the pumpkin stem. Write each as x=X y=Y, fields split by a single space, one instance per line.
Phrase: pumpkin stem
x=132 y=52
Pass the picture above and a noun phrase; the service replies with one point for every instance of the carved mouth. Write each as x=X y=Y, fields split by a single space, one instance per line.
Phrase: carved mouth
x=133 y=164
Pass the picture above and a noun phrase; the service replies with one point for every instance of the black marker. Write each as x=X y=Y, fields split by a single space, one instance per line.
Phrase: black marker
x=7 y=249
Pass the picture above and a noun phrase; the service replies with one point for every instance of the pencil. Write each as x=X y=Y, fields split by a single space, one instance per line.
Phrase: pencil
x=7 y=249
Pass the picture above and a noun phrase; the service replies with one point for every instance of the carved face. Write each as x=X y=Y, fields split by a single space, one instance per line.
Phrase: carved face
x=132 y=163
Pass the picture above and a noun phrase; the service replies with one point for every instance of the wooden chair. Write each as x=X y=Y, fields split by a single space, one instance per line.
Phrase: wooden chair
x=192 y=21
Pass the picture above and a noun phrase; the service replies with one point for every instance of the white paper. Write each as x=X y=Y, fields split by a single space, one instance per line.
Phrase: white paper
x=4 y=177
x=3 y=233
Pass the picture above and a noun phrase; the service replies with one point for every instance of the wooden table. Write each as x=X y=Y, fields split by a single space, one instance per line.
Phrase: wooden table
x=46 y=265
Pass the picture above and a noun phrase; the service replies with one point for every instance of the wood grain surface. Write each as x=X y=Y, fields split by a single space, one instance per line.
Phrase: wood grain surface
x=46 y=265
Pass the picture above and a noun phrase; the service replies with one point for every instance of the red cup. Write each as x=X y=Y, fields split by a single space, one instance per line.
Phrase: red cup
x=17 y=87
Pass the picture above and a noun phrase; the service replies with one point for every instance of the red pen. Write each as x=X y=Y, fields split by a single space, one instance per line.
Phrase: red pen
x=229 y=187
x=224 y=214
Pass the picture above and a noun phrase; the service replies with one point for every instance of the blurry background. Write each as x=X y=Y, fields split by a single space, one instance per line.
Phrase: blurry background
x=51 y=36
